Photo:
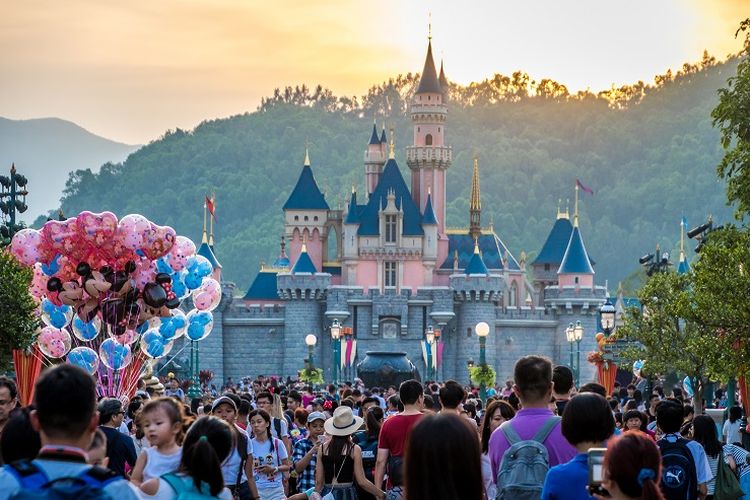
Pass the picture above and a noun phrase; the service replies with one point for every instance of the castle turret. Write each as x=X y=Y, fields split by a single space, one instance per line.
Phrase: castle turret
x=428 y=157
x=374 y=160
x=475 y=292
x=548 y=261
x=575 y=268
x=206 y=248
x=444 y=83
x=304 y=291
x=305 y=216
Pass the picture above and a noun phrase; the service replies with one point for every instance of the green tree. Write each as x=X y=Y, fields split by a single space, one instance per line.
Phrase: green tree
x=18 y=322
x=732 y=117
x=668 y=341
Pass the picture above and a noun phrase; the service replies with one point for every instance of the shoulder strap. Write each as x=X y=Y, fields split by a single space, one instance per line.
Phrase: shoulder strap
x=544 y=431
x=99 y=476
x=28 y=475
x=277 y=426
x=510 y=433
x=175 y=482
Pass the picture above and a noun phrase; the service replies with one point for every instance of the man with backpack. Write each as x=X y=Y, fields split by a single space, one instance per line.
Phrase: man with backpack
x=524 y=448
x=685 y=467
x=66 y=418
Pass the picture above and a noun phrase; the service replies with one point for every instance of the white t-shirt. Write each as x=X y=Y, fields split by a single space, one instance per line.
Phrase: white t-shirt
x=165 y=492
x=284 y=427
x=264 y=455
x=231 y=468
x=732 y=431
x=158 y=464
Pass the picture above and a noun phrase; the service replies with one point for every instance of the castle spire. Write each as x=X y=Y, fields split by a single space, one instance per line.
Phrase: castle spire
x=392 y=151
x=475 y=204
x=205 y=209
x=428 y=82
x=211 y=233
x=575 y=213
x=307 y=157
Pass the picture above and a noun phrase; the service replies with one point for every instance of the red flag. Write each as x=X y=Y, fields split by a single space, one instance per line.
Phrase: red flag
x=211 y=207
x=584 y=188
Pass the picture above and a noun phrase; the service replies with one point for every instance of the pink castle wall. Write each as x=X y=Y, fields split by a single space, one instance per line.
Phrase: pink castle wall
x=584 y=280
x=314 y=247
x=413 y=274
x=367 y=274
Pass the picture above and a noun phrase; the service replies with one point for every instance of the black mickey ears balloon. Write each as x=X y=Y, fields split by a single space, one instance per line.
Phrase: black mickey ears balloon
x=83 y=269
x=154 y=295
x=54 y=285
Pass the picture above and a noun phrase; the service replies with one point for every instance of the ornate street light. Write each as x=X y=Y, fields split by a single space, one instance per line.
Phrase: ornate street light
x=336 y=342
x=482 y=329
x=607 y=315
x=429 y=335
x=311 y=340
x=570 y=336
x=578 y=336
x=12 y=189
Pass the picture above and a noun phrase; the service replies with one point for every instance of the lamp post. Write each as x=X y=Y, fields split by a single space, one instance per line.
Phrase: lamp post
x=311 y=340
x=336 y=341
x=194 y=391
x=578 y=336
x=12 y=188
x=482 y=329
x=570 y=337
x=607 y=317
x=430 y=337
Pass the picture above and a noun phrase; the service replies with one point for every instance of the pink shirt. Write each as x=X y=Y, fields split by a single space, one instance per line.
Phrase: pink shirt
x=526 y=423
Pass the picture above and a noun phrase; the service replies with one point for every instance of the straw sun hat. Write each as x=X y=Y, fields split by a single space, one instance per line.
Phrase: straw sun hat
x=343 y=422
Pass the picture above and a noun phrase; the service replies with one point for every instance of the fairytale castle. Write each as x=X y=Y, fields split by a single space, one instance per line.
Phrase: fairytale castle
x=387 y=268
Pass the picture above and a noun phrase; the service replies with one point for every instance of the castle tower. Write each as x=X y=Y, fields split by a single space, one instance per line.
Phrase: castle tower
x=305 y=217
x=475 y=204
x=303 y=289
x=444 y=83
x=548 y=261
x=428 y=157
x=375 y=157
x=576 y=269
x=207 y=246
x=475 y=292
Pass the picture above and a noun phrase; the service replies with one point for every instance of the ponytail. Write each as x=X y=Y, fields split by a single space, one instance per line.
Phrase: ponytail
x=207 y=444
x=651 y=491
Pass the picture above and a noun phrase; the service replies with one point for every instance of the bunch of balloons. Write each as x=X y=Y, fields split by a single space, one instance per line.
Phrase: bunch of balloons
x=116 y=286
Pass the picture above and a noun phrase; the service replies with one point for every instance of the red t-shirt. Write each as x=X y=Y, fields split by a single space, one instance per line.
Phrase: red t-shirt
x=394 y=432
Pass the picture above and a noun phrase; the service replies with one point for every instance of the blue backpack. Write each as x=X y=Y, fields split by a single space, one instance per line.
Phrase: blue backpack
x=184 y=488
x=88 y=485
x=679 y=479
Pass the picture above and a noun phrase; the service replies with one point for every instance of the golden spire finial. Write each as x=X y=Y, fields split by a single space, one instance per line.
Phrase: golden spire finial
x=575 y=214
x=304 y=244
x=211 y=233
x=205 y=209
x=392 y=152
x=475 y=202
x=429 y=26
x=476 y=245
x=429 y=191
x=307 y=157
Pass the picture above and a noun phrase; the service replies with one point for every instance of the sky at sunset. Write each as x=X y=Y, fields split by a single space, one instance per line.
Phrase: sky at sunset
x=131 y=70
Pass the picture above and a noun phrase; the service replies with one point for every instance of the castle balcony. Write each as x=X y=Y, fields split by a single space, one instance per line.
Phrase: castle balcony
x=570 y=296
x=437 y=156
x=419 y=111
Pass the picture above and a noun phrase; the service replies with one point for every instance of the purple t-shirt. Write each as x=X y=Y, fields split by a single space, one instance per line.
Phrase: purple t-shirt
x=526 y=423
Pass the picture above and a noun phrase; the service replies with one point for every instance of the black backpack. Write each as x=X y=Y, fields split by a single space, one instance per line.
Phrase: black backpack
x=679 y=479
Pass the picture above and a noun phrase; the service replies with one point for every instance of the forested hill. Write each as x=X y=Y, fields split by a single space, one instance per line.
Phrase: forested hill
x=648 y=151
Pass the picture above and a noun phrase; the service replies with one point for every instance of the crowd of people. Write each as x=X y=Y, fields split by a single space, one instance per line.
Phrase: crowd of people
x=268 y=439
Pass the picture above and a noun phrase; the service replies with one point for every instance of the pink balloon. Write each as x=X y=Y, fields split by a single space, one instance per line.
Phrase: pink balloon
x=27 y=246
x=145 y=272
x=60 y=236
x=159 y=241
x=38 y=287
x=132 y=231
x=183 y=249
x=54 y=343
x=208 y=295
x=97 y=230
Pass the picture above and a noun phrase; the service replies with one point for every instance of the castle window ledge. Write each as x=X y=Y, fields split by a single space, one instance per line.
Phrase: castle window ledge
x=420 y=302
x=253 y=321
x=340 y=315
x=359 y=302
x=569 y=306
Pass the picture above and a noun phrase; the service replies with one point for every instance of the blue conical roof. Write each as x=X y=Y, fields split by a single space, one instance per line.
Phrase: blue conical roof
x=576 y=259
x=429 y=213
x=304 y=263
x=476 y=264
x=306 y=195
x=374 y=137
x=429 y=82
x=205 y=251
x=264 y=287
x=683 y=267
x=390 y=180
x=557 y=241
x=383 y=138
x=352 y=215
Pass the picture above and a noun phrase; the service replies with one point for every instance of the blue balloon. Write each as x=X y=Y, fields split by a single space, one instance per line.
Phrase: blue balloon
x=114 y=355
x=84 y=357
x=200 y=324
x=154 y=345
x=57 y=316
x=178 y=284
x=173 y=326
x=53 y=266
x=86 y=331
x=162 y=266
x=198 y=267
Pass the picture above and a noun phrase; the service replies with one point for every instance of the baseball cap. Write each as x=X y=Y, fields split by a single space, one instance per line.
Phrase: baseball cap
x=316 y=415
x=223 y=400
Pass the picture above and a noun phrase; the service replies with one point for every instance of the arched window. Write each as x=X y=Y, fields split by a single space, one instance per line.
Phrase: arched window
x=513 y=298
x=307 y=218
x=428 y=140
x=576 y=280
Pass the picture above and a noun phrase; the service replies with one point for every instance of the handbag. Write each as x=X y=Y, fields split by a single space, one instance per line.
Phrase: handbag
x=727 y=485
x=329 y=495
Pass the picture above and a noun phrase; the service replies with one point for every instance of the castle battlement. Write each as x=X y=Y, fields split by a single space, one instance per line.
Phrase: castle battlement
x=303 y=286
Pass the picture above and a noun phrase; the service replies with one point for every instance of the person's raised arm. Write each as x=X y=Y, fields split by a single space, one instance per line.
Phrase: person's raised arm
x=380 y=463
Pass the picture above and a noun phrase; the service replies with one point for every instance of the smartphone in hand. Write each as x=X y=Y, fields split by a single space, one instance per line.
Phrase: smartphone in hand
x=596 y=464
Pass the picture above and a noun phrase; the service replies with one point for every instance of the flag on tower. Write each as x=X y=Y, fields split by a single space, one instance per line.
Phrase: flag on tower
x=584 y=188
x=684 y=223
x=211 y=207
